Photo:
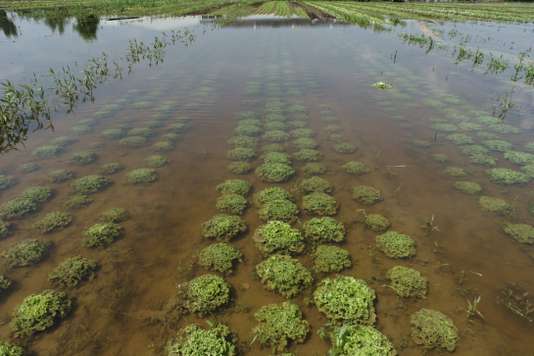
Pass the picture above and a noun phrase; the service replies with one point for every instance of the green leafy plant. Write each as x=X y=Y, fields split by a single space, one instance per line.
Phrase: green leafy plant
x=114 y=215
x=396 y=245
x=220 y=257
x=39 y=312
x=522 y=233
x=241 y=154
x=313 y=169
x=142 y=176
x=324 y=229
x=5 y=229
x=60 y=175
x=279 y=325
x=234 y=186
x=194 y=341
x=6 y=181
x=276 y=157
x=468 y=187
x=271 y=194
x=356 y=168
x=54 y=221
x=26 y=253
x=344 y=147
x=278 y=237
x=407 y=282
x=276 y=136
x=376 y=222
x=319 y=204
x=239 y=167
x=315 y=184
x=206 y=293
x=156 y=161
x=84 y=157
x=17 y=208
x=328 y=258
x=307 y=155
x=77 y=201
x=72 y=272
x=37 y=194
x=5 y=284
x=275 y=172
x=48 y=151
x=234 y=204
x=359 y=340
x=345 y=299
x=455 y=172
x=284 y=275
x=366 y=194
x=9 y=349
x=102 y=234
x=29 y=167
x=223 y=227
x=133 y=141
x=278 y=209
x=433 y=329
x=507 y=176
x=495 y=205
x=90 y=184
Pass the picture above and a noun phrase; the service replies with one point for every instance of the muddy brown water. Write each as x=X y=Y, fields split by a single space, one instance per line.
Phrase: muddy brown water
x=123 y=310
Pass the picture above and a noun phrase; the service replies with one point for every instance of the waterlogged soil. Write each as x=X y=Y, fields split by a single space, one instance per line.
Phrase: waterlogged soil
x=125 y=309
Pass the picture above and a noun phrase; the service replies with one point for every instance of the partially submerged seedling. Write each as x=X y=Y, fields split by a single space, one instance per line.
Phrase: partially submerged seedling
x=5 y=229
x=29 y=167
x=396 y=245
x=39 y=312
x=284 y=275
x=344 y=147
x=54 y=221
x=276 y=157
x=407 y=282
x=110 y=168
x=224 y=227
x=133 y=141
x=278 y=237
x=328 y=258
x=60 y=175
x=376 y=222
x=356 y=168
x=114 y=215
x=37 y=194
x=472 y=308
x=345 y=299
x=220 y=257
x=72 y=272
x=279 y=325
x=77 y=201
x=156 y=161
x=102 y=235
x=6 y=181
x=314 y=169
x=5 y=285
x=307 y=155
x=90 y=184
x=361 y=340
x=84 y=157
x=315 y=184
x=48 y=151
x=433 y=329
x=241 y=154
x=239 y=167
x=206 y=294
x=468 y=187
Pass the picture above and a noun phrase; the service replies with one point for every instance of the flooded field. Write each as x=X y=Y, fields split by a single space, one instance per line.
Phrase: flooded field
x=421 y=152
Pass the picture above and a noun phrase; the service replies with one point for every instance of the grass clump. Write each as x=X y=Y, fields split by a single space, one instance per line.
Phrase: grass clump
x=5 y=229
x=142 y=176
x=495 y=205
x=507 y=176
x=5 y=284
x=26 y=253
x=156 y=161
x=367 y=195
x=345 y=299
x=72 y=272
x=223 y=227
x=522 y=233
x=220 y=257
x=278 y=237
x=319 y=204
x=328 y=258
x=271 y=194
x=278 y=209
x=324 y=229
x=284 y=275
x=275 y=172
x=102 y=234
x=455 y=172
x=344 y=147
x=407 y=282
x=468 y=187
x=241 y=154
x=39 y=312
x=433 y=329
x=9 y=349
x=307 y=155
x=376 y=222
x=396 y=245
x=111 y=168
x=234 y=204
x=279 y=325
x=356 y=168
x=60 y=175
x=133 y=141
x=37 y=194
x=315 y=184
x=114 y=215
x=314 y=169
x=90 y=184
x=77 y=201
x=17 y=208
x=84 y=157
x=359 y=340
x=54 y=221
x=194 y=341
x=239 y=167
x=206 y=293
x=234 y=186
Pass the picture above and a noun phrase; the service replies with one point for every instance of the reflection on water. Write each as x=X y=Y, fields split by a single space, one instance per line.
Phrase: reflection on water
x=433 y=129
x=8 y=27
